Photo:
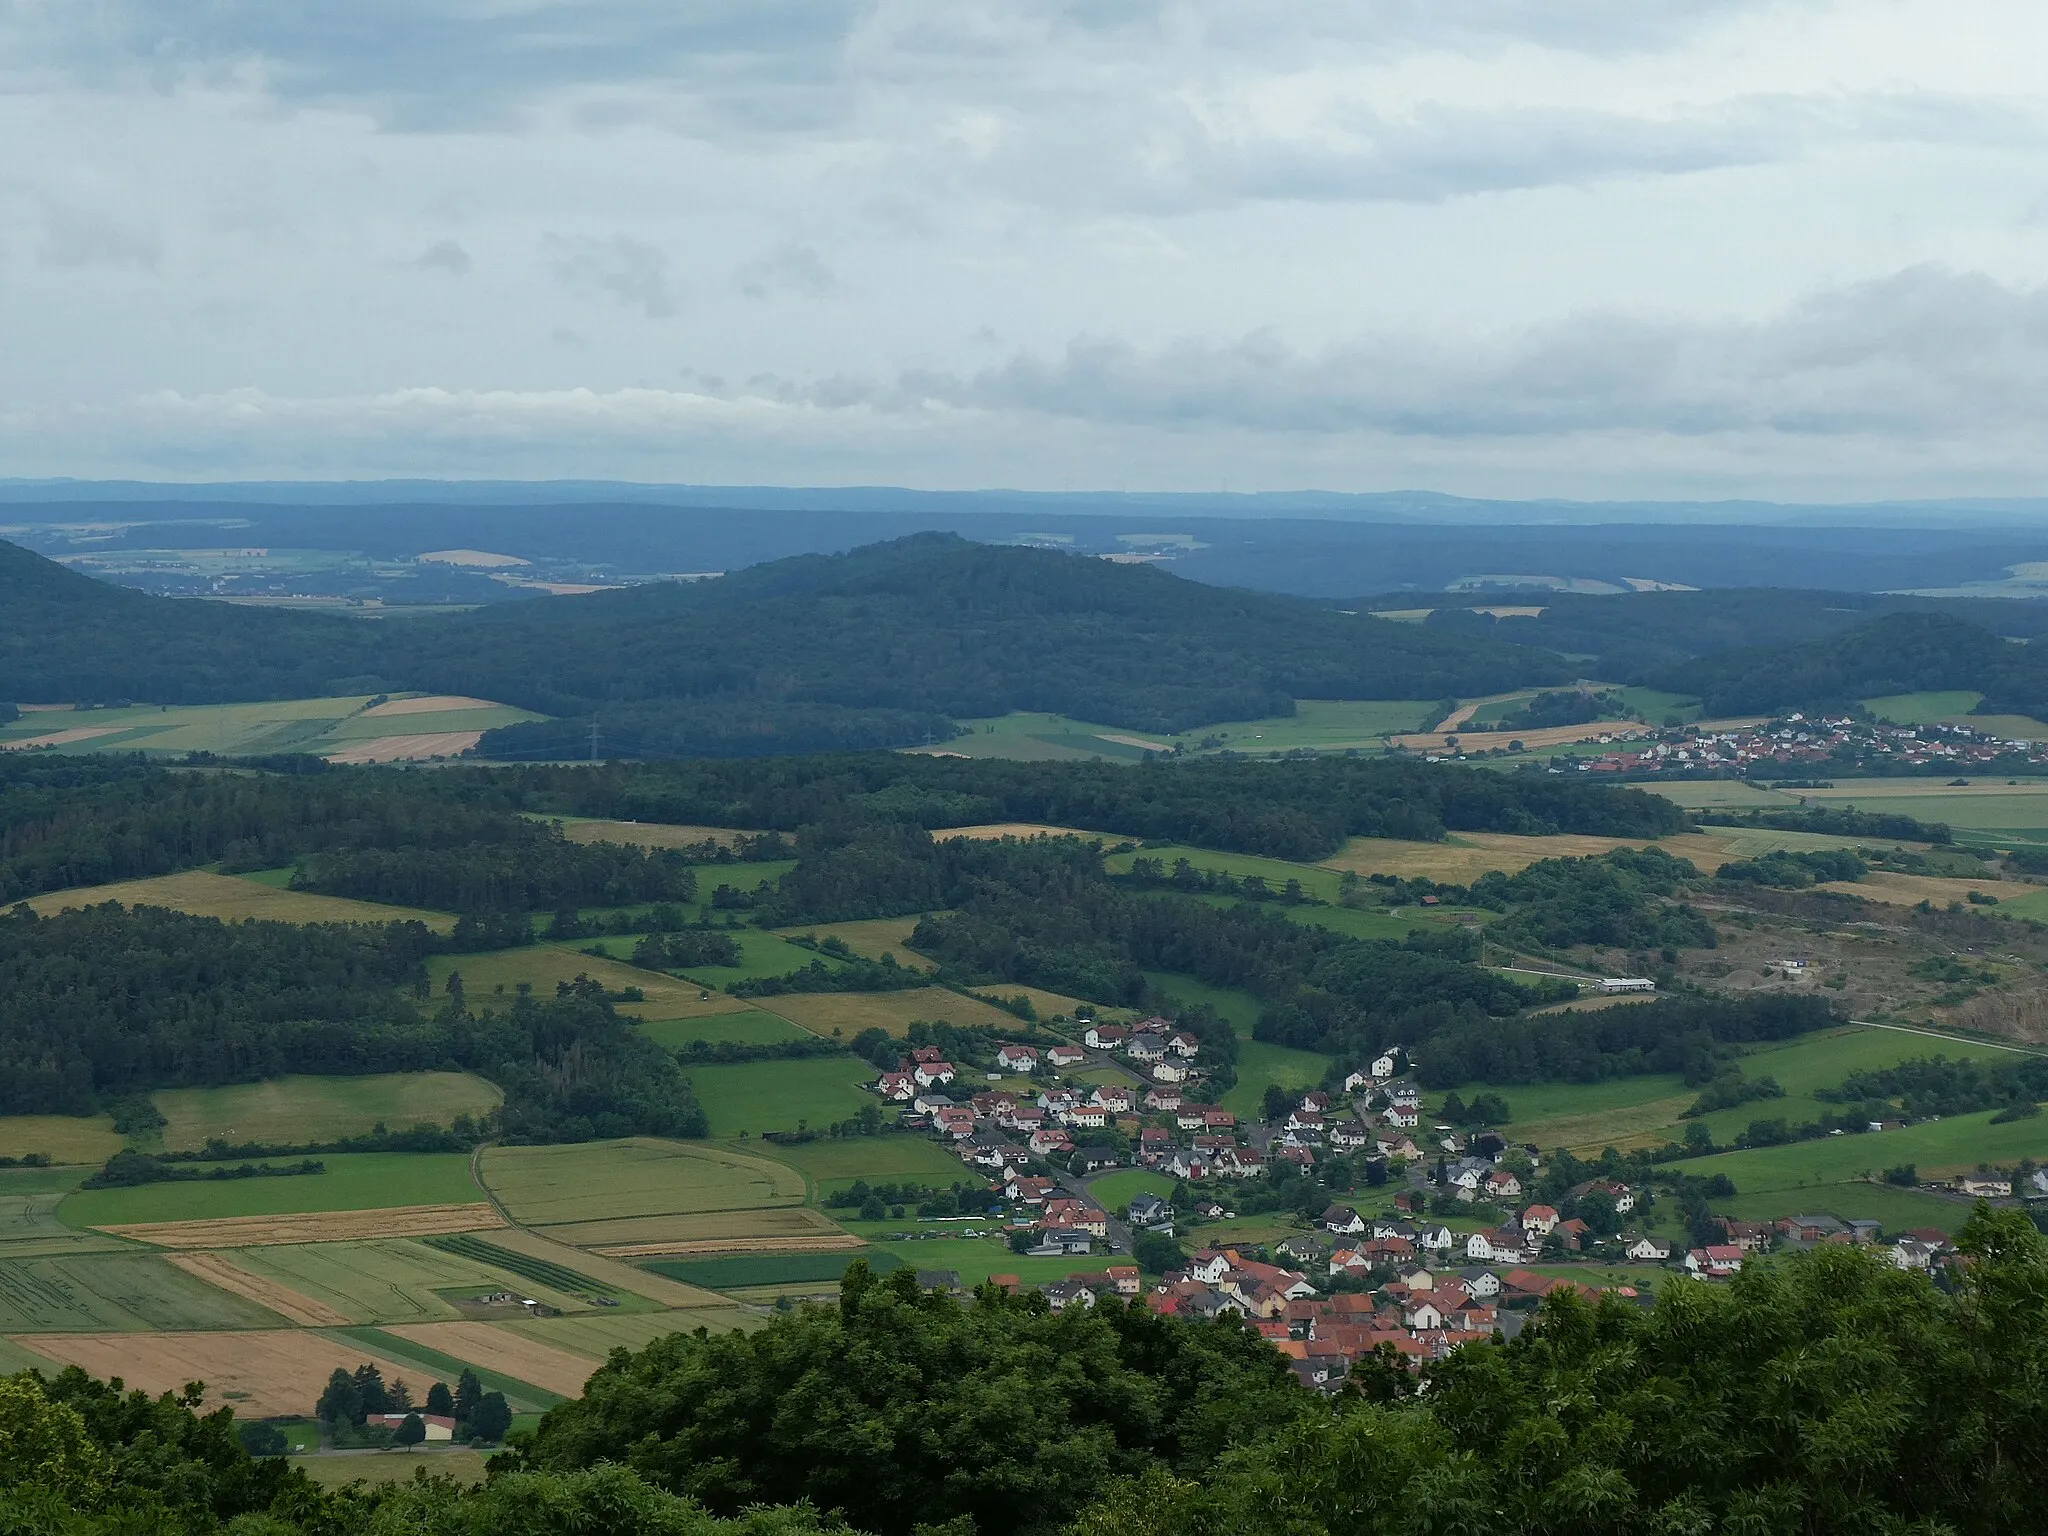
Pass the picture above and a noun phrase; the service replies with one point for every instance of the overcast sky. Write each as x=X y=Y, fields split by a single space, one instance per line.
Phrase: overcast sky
x=1495 y=247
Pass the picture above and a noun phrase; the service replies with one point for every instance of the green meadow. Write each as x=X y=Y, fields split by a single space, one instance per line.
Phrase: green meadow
x=762 y=1096
x=355 y=1181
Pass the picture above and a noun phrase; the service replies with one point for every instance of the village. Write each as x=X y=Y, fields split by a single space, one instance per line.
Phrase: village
x=1450 y=1262
x=1797 y=743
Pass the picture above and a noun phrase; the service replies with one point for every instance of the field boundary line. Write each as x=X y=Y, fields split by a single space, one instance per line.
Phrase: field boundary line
x=404 y=1351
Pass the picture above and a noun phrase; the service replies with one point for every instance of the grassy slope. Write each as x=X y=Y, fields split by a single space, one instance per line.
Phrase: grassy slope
x=89 y=1139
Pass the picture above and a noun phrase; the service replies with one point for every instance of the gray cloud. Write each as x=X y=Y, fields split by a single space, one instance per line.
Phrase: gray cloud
x=630 y=271
x=788 y=269
x=77 y=237
x=443 y=256
x=1924 y=353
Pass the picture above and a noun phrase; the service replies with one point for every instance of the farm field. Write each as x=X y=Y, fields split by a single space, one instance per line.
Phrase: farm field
x=1901 y=1210
x=761 y=954
x=1023 y=831
x=331 y=1470
x=595 y=1337
x=354 y=1181
x=745 y=1026
x=609 y=1275
x=1934 y=1147
x=1632 y=1112
x=649 y=834
x=851 y=1012
x=1323 y=725
x=390 y=1280
x=603 y=1181
x=29 y=1227
x=424 y=1364
x=274 y=1373
x=791 y=1228
x=89 y=1139
x=1470 y=854
x=976 y=1258
x=302 y=1110
x=1315 y=880
x=1899 y=890
x=234 y=900
x=735 y=1271
x=1723 y=795
x=1980 y=811
x=108 y=1292
x=500 y=1349
x=1026 y=737
x=313 y=1227
x=834 y=1161
x=873 y=938
x=225 y=1273
x=774 y=1095
x=543 y=966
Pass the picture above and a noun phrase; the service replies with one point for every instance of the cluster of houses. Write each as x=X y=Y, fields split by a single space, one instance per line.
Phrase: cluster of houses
x=1798 y=742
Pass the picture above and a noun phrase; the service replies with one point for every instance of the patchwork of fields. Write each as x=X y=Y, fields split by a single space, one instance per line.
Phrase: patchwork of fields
x=348 y=729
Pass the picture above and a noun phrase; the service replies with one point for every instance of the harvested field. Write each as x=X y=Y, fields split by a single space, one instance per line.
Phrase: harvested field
x=217 y=1269
x=234 y=900
x=498 y=1349
x=1021 y=829
x=428 y=705
x=260 y=1374
x=652 y=834
x=603 y=1180
x=311 y=1226
x=401 y=749
x=89 y=1139
x=852 y=1012
x=299 y=1110
x=1896 y=890
x=603 y=1271
x=789 y=1223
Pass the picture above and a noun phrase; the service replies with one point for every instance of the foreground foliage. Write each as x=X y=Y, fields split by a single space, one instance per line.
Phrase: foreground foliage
x=1824 y=1395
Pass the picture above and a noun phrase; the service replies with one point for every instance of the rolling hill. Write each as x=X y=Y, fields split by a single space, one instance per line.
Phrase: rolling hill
x=883 y=646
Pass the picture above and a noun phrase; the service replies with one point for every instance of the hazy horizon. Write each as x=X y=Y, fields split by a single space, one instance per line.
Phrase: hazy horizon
x=1587 y=250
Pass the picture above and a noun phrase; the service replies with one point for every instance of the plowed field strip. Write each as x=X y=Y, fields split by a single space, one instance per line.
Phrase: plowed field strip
x=311 y=1227
x=273 y=1373
x=218 y=1269
x=736 y=1245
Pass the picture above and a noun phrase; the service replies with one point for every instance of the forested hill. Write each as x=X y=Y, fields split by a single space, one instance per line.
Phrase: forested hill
x=878 y=646
x=1899 y=653
x=66 y=637
x=881 y=647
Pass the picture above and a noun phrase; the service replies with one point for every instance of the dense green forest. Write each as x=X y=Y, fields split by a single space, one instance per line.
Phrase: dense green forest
x=1824 y=1394
x=106 y=1002
x=464 y=840
x=884 y=646
x=1900 y=653
x=1635 y=637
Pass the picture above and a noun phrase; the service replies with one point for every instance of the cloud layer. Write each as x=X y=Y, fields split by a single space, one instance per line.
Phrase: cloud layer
x=1552 y=246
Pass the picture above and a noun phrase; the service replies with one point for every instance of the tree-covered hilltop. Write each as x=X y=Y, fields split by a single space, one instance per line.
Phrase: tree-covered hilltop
x=1899 y=653
x=1825 y=1394
x=884 y=646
